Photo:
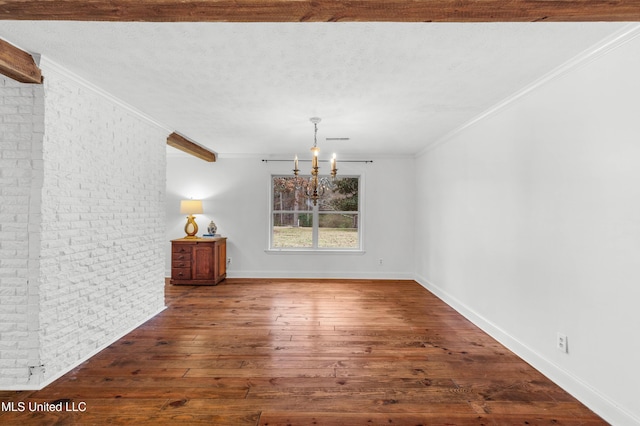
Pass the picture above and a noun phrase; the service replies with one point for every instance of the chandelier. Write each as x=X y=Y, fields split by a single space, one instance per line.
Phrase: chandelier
x=316 y=186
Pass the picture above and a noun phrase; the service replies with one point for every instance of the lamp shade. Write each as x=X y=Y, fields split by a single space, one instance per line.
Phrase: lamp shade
x=191 y=206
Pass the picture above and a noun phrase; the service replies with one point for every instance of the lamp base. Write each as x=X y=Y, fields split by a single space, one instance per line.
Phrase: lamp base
x=191 y=228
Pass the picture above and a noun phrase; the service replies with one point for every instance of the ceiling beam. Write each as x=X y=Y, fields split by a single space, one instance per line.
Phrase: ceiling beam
x=18 y=64
x=322 y=10
x=183 y=144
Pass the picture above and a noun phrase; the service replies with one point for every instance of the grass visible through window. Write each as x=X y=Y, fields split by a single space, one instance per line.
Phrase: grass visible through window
x=301 y=237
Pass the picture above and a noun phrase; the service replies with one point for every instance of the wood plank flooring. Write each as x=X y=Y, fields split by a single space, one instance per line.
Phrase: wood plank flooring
x=304 y=352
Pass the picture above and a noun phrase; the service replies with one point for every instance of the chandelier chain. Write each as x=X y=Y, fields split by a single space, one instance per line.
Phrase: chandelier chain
x=315 y=135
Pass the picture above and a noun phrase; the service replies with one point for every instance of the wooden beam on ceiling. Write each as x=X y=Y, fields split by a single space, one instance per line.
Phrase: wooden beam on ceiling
x=183 y=144
x=18 y=64
x=322 y=10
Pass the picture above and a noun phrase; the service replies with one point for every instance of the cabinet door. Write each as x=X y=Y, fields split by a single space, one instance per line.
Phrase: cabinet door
x=203 y=262
x=221 y=257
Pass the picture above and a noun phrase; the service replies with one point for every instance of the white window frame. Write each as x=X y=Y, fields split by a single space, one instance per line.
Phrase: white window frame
x=315 y=212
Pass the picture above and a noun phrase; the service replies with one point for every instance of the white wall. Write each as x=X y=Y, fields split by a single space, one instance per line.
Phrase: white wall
x=94 y=184
x=236 y=196
x=528 y=222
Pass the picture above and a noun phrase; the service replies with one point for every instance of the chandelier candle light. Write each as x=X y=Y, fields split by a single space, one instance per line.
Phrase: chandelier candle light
x=314 y=190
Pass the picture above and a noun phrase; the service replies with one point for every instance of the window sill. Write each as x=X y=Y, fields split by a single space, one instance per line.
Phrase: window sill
x=314 y=251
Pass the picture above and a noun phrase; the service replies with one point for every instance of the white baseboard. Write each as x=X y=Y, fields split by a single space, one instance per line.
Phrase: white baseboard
x=322 y=274
x=42 y=385
x=329 y=275
x=594 y=400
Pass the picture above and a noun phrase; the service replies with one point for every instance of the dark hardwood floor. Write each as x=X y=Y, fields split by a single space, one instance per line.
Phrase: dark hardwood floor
x=301 y=352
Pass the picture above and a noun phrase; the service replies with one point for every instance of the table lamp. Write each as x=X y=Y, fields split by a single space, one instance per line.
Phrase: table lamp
x=191 y=207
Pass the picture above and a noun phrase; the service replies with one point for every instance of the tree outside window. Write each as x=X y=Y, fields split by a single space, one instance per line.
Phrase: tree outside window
x=332 y=224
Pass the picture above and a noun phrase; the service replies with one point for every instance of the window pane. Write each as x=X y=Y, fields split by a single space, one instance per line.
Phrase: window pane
x=292 y=230
x=331 y=224
x=342 y=197
x=338 y=230
x=288 y=193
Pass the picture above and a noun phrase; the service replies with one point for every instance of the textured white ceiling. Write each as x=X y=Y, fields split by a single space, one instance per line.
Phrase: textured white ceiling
x=392 y=88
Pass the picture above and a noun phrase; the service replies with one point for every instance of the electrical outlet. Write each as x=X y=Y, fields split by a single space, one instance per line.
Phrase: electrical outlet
x=228 y=261
x=562 y=343
x=36 y=372
x=380 y=261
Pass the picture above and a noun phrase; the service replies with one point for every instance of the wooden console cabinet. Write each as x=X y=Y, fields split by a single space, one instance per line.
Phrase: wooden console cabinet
x=198 y=261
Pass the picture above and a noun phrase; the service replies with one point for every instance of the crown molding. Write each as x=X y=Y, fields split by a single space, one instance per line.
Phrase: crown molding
x=49 y=66
x=617 y=39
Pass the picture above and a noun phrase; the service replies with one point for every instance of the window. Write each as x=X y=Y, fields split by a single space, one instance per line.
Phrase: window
x=333 y=224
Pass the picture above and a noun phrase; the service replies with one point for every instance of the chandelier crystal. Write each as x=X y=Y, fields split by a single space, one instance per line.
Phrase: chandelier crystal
x=316 y=186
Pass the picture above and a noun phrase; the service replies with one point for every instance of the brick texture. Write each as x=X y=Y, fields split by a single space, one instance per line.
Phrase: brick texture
x=85 y=182
x=21 y=176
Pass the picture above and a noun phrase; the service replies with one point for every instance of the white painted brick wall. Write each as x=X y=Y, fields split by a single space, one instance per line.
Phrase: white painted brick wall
x=103 y=221
x=21 y=125
x=82 y=223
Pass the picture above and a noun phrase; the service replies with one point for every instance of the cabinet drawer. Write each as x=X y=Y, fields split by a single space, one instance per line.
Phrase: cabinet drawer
x=181 y=264
x=181 y=257
x=181 y=273
x=181 y=248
